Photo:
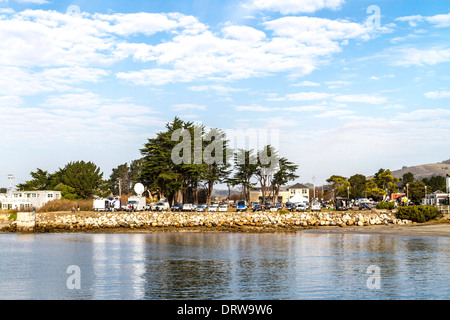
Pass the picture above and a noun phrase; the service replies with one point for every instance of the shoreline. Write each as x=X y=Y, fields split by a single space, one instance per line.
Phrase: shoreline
x=231 y=222
x=435 y=229
x=426 y=229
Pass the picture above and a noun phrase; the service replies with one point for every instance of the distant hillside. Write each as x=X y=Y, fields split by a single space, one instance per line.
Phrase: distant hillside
x=224 y=193
x=425 y=170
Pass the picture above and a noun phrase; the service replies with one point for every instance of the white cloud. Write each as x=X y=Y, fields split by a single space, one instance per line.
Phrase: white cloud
x=156 y=76
x=306 y=84
x=293 y=109
x=299 y=46
x=25 y=81
x=32 y=1
x=420 y=57
x=337 y=84
x=361 y=98
x=351 y=98
x=425 y=115
x=244 y=33
x=318 y=31
x=394 y=107
x=219 y=89
x=255 y=108
x=10 y=101
x=294 y=6
x=303 y=96
x=437 y=94
x=335 y=114
x=188 y=106
x=440 y=20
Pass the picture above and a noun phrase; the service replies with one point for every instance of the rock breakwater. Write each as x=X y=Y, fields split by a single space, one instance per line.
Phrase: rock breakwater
x=91 y=221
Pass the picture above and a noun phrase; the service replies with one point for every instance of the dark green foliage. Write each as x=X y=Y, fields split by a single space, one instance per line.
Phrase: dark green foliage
x=357 y=186
x=406 y=178
x=85 y=178
x=246 y=166
x=124 y=177
x=435 y=183
x=417 y=213
x=77 y=180
x=386 y=205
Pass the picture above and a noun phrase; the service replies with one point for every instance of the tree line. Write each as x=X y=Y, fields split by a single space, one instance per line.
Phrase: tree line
x=188 y=181
x=382 y=184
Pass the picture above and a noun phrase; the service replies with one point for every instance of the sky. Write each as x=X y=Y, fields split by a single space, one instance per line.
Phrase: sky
x=343 y=86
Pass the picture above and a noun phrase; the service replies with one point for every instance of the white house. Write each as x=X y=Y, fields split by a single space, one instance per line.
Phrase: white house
x=27 y=200
x=283 y=196
x=436 y=198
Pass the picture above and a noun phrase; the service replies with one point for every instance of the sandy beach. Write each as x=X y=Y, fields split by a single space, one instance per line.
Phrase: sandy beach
x=430 y=229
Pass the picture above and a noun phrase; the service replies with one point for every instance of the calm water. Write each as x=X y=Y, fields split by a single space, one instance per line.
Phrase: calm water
x=224 y=266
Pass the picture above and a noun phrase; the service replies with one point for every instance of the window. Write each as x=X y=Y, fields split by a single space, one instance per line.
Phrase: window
x=57 y=196
x=50 y=195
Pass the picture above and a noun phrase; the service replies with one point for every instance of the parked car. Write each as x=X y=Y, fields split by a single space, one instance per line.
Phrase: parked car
x=162 y=206
x=365 y=206
x=188 y=207
x=213 y=208
x=300 y=207
x=177 y=207
x=275 y=207
x=290 y=205
x=258 y=207
x=201 y=208
x=254 y=204
x=223 y=208
x=316 y=206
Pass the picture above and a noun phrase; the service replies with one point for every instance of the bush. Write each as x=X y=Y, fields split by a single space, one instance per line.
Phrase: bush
x=417 y=213
x=386 y=205
x=12 y=215
x=66 y=205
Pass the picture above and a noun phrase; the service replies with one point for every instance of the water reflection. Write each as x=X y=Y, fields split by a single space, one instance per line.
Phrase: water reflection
x=223 y=266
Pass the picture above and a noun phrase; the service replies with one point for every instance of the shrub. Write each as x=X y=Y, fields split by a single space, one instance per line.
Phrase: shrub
x=417 y=213
x=386 y=205
x=12 y=215
x=66 y=205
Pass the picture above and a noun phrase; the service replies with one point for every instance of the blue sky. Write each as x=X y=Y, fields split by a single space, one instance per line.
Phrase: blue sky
x=348 y=90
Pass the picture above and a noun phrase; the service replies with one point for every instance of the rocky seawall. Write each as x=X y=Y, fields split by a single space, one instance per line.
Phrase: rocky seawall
x=104 y=221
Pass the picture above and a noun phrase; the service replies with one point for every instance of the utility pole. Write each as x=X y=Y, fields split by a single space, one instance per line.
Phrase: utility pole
x=314 y=187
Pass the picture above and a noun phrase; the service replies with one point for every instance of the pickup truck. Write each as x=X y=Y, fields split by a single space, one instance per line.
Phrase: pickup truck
x=162 y=206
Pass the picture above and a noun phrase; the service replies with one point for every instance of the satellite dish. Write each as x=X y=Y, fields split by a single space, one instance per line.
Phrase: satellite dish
x=139 y=188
